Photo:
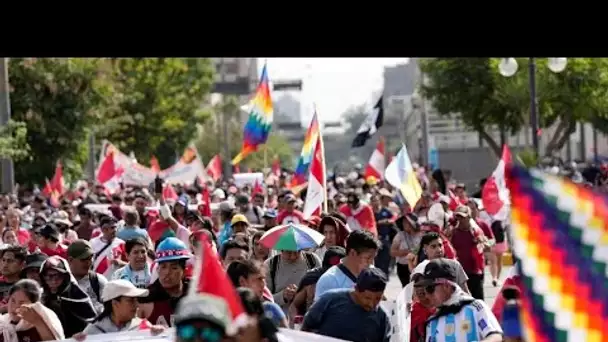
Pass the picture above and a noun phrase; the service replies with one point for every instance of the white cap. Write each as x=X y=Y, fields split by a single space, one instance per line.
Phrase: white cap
x=120 y=287
x=419 y=269
x=219 y=193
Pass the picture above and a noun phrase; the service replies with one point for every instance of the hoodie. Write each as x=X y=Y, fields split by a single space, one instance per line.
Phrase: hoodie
x=71 y=304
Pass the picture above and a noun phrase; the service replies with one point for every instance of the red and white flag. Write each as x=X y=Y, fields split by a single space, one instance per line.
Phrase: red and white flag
x=377 y=162
x=209 y=277
x=495 y=194
x=108 y=175
x=214 y=168
x=317 y=186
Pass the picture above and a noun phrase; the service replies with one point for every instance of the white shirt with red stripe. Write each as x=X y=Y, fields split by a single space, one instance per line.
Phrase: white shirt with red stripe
x=102 y=263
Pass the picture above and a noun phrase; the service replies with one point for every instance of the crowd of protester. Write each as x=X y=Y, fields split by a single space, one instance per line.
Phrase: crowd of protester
x=101 y=263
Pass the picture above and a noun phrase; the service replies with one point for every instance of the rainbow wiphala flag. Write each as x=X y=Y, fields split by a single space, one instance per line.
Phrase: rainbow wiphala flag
x=300 y=176
x=560 y=237
x=257 y=128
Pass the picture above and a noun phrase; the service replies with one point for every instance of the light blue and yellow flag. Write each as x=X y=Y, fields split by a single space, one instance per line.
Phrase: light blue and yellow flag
x=400 y=174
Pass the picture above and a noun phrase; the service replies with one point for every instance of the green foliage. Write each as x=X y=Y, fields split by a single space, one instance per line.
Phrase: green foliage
x=55 y=98
x=13 y=141
x=527 y=158
x=474 y=88
x=156 y=104
x=210 y=139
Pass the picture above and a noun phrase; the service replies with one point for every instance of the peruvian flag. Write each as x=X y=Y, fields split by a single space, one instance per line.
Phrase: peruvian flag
x=317 y=188
x=377 y=162
x=108 y=175
x=209 y=277
x=495 y=195
x=214 y=168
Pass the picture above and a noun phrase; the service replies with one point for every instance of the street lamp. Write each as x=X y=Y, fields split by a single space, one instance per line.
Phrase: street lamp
x=508 y=67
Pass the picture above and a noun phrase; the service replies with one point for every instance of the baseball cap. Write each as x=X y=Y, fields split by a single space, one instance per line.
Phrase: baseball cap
x=438 y=271
x=372 y=279
x=80 y=249
x=35 y=260
x=239 y=218
x=463 y=211
x=226 y=206
x=270 y=213
x=385 y=193
x=119 y=288
x=204 y=307
x=290 y=198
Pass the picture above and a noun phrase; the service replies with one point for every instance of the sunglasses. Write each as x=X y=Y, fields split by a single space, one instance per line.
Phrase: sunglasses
x=190 y=332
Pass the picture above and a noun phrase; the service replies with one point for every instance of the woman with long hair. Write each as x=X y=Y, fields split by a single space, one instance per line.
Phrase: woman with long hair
x=405 y=245
x=27 y=319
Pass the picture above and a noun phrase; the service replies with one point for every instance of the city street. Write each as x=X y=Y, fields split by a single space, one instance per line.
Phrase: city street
x=490 y=292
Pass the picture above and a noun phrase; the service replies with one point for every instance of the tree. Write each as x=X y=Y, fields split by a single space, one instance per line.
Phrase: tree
x=13 y=141
x=55 y=98
x=157 y=104
x=210 y=138
x=473 y=88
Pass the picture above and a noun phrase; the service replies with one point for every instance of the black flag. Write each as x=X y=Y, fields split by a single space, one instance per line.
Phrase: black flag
x=371 y=124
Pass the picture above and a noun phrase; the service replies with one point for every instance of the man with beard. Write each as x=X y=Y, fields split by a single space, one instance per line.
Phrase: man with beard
x=159 y=306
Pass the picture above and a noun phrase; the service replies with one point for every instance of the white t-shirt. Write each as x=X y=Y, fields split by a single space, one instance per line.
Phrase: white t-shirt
x=474 y=322
x=102 y=263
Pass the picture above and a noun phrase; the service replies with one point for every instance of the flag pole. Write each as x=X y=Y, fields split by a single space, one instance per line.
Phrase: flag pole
x=264 y=173
x=325 y=207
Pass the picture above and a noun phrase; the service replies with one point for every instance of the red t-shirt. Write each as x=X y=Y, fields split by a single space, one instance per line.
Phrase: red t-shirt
x=286 y=217
x=23 y=236
x=420 y=314
x=61 y=251
x=469 y=254
x=487 y=231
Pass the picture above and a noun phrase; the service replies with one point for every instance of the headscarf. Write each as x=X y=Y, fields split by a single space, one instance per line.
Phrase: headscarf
x=341 y=230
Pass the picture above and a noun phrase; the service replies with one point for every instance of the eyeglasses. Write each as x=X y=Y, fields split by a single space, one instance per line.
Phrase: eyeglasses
x=430 y=289
x=190 y=332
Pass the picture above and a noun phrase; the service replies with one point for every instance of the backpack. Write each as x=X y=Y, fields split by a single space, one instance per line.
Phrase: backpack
x=274 y=266
x=498 y=231
x=256 y=211
x=94 y=280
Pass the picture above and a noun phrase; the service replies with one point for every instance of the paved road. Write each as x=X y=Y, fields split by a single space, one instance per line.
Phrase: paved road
x=490 y=292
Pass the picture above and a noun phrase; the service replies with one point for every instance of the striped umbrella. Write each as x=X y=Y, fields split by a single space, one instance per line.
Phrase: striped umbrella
x=291 y=237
